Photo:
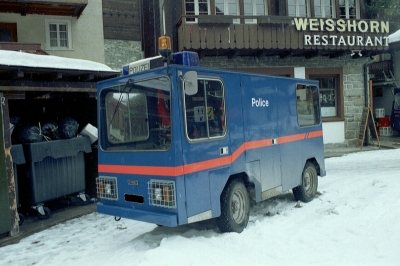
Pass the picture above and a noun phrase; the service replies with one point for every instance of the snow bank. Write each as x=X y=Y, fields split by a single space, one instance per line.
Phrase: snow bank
x=12 y=58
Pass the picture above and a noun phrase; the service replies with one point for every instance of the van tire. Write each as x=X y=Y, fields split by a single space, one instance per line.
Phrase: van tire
x=309 y=184
x=235 y=208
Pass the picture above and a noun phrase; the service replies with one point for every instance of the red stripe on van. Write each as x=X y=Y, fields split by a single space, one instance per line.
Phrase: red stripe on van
x=141 y=170
x=174 y=171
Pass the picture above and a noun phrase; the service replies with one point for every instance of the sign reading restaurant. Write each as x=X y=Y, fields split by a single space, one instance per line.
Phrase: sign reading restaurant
x=377 y=28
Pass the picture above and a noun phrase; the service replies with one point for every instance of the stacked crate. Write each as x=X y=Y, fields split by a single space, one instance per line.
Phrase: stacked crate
x=385 y=128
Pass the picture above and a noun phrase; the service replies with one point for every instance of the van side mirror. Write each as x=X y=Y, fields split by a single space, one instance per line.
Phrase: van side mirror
x=190 y=82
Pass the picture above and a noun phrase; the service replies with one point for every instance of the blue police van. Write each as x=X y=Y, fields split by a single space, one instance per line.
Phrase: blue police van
x=181 y=143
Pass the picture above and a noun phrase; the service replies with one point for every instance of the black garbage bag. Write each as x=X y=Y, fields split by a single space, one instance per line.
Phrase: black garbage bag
x=68 y=128
x=50 y=130
x=29 y=134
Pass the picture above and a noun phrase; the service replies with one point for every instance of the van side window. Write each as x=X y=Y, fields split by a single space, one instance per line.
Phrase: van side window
x=205 y=111
x=308 y=108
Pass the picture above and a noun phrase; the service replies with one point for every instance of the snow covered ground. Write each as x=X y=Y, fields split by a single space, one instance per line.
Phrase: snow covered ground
x=355 y=220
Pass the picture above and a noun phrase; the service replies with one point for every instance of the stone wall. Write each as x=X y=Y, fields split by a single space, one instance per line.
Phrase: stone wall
x=353 y=80
x=119 y=53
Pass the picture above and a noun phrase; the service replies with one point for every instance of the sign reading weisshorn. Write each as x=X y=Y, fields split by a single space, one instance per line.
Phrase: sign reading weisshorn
x=370 y=33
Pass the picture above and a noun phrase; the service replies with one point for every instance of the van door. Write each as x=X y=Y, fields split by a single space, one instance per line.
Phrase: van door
x=260 y=120
x=204 y=144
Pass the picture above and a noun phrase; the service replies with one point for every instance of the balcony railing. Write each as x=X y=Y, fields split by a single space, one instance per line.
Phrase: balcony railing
x=381 y=71
x=220 y=34
x=34 y=48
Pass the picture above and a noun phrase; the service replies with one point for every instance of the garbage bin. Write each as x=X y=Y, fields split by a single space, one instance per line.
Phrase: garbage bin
x=55 y=169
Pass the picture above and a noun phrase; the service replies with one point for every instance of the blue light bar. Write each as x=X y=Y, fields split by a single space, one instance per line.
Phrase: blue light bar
x=186 y=58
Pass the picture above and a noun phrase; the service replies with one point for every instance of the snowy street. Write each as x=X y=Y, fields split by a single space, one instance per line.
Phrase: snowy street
x=355 y=220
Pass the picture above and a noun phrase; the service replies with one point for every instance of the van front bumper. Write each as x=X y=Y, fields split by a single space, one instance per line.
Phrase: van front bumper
x=170 y=220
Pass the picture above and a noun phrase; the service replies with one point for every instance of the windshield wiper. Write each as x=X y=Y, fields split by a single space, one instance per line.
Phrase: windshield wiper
x=127 y=87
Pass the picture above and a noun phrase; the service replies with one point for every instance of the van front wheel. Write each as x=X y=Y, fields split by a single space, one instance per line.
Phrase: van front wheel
x=235 y=208
x=309 y=184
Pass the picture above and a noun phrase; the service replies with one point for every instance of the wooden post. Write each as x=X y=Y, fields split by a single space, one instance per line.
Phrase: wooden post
x=5 y=220
x=371 y=99
x=9 y=167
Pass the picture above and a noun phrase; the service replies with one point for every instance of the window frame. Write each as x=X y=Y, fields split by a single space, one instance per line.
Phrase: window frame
x=347 y=9
x=323 y=14
x=255 y=11
x=196 y=9
x=297 y=7
x=11 y=28
x=311 y=73
x=280 y=71
x=227 y=11
x=310 y=100
x=209 y=137
x=160 y=131
x=58 y=22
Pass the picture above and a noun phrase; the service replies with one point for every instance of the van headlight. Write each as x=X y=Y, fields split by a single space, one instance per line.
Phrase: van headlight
x=162 y=193
x=107 y=187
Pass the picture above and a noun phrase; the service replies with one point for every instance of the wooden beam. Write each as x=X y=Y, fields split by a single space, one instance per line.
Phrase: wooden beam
x=336 y=54
x=17 y=74
x=311 y=54
x=56 y=8
x=232 y=54
x=60 y=89
x=86 y=77
x=284 y=54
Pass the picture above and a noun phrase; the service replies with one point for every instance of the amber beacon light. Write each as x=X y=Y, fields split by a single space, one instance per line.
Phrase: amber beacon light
x=164 y=46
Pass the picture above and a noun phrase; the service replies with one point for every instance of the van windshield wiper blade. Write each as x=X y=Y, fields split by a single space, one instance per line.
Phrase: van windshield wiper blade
x=127 y=87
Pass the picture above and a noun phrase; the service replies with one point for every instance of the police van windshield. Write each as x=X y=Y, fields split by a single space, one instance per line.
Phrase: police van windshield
x=137 y=115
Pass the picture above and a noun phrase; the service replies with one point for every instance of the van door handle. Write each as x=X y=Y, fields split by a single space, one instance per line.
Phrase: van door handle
x=223 y=150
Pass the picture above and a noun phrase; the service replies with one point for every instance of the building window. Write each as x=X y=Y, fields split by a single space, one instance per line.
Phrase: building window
x=328 y=95
x=220 y=7
x=227 y=7
x=196 y=7
x=58 y=35
x=8 y=32
x=254 y=8
x=298 y=8
x=331 y=92
x=324 y=9
x=349 y=9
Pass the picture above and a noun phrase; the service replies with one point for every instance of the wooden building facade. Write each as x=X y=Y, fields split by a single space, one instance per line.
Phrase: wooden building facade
x=333 y=41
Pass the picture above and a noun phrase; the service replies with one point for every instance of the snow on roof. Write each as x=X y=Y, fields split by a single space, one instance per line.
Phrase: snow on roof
x=394 y=37
x=12 y=58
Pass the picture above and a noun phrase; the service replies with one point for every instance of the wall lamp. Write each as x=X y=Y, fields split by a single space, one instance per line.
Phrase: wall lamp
x=354 y=52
